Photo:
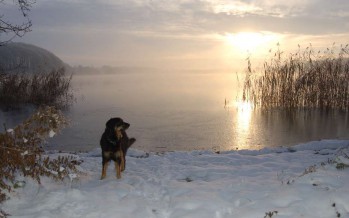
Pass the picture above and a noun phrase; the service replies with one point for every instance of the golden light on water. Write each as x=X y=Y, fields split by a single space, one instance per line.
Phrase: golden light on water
x=244 y=111
x=243 y=120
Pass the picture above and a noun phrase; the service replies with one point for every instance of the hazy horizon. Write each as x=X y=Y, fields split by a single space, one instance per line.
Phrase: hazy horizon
x=183 y=34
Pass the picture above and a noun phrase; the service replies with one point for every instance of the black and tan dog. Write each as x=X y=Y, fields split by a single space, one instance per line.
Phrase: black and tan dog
x=115 y=143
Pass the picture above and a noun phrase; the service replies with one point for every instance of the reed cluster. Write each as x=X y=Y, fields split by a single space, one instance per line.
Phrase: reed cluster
x=52 y=89
x=305 y=79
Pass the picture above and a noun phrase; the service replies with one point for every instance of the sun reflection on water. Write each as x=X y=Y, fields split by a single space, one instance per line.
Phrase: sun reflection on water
x=243 y=123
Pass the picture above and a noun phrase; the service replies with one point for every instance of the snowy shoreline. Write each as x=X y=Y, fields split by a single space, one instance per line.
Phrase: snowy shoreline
x=300 y=181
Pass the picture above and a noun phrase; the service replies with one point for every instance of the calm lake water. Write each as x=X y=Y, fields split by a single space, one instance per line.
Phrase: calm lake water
x=182 y=111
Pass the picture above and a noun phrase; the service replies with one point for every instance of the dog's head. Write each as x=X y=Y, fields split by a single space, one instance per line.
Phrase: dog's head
x=117 y=122
x=117 y=125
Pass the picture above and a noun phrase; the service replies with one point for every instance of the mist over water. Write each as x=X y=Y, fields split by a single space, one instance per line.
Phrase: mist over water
x=182 y=111
x=167 y=111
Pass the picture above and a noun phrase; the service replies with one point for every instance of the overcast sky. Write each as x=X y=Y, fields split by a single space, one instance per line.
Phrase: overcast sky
x=201 y=34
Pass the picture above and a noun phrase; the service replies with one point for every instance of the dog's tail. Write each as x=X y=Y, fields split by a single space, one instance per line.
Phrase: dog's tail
x=128 y=145
x=132 y=140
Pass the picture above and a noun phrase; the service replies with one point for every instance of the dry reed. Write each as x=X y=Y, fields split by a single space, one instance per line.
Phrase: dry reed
x=17 y=89
x=306 y=79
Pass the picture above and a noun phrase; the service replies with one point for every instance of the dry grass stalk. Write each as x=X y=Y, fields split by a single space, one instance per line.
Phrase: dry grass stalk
x=306 y=79
x=18 y=89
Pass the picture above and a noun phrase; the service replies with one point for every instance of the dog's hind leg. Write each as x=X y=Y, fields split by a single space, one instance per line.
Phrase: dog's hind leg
x=123 y=161
x=130 y=142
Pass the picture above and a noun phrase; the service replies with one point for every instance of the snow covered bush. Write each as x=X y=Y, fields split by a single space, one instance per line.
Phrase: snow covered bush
x=21 y=153
x=342 y=159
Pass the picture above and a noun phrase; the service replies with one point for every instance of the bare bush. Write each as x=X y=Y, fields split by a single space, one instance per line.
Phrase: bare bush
x=21 y=152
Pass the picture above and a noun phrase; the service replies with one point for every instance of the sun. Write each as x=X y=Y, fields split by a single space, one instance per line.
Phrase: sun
x=251 y=41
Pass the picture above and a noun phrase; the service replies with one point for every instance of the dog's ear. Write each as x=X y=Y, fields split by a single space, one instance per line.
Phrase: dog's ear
x=110 y=124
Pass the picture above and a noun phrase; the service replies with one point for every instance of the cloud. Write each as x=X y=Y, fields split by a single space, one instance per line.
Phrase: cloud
x=196 y=17
x=145 y=30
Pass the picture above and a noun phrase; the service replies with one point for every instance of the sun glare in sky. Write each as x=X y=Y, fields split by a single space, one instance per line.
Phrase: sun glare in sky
x=254 y=42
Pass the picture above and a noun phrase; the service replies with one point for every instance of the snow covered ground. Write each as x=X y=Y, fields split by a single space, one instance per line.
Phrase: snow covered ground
x=301 y=181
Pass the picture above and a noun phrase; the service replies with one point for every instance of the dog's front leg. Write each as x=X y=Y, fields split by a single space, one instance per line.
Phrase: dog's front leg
x=119 y=163
x=104 y=170
x=118 y=169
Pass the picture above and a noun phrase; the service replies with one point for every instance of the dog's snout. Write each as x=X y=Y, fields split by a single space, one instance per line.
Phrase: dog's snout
x=126 y=125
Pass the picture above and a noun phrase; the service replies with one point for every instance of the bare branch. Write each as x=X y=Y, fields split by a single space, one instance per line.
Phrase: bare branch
x=24 y=6
x=12 y=30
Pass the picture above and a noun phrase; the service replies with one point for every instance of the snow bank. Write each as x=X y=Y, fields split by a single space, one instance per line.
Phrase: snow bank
x=301 y=181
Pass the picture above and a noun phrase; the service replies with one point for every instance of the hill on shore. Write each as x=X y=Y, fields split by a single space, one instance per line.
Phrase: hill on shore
x=27 y=58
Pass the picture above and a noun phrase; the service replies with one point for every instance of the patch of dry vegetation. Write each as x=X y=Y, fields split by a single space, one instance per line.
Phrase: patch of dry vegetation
x=17 y=89
x=305 y=79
